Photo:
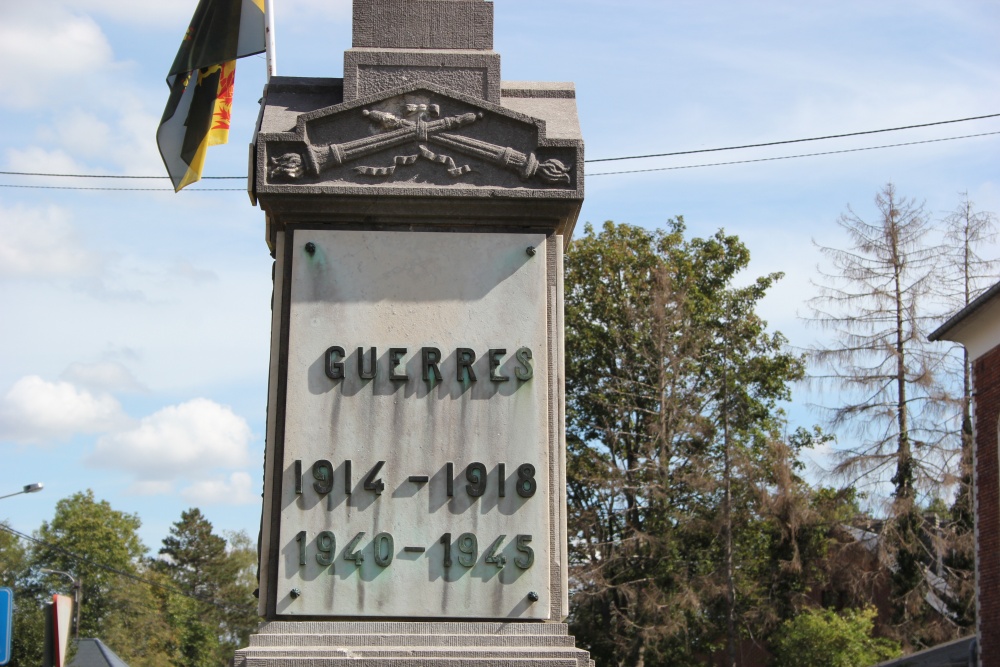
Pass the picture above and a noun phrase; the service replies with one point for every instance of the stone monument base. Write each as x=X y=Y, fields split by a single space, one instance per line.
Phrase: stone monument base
x=411 y=644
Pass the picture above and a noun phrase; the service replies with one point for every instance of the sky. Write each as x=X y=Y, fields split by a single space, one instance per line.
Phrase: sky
x=135 y=325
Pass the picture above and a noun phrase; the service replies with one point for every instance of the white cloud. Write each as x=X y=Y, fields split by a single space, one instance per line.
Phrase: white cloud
x=132 y=147
x=155 y=14
x=151 y=488
x=105 y=376
x=238 y=489
x=39 y=160
x=195 y=274
x=41 y=242
x=36 y=411
x=192 y=438
x=48 y=53
x=119 y=137
x=339 y=10
x=82 y=132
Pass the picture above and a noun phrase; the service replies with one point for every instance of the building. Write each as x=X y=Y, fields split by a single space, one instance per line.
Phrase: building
x=977 y=327
x=958 y=653
x=94 y=653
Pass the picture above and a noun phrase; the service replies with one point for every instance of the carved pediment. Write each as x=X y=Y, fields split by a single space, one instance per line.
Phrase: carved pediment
x=422 y=136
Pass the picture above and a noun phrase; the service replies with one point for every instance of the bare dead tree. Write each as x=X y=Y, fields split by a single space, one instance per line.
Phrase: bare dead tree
x=873 y=300
x=965 y=273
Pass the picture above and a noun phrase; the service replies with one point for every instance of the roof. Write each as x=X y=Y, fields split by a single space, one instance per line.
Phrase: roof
x=960 y=316
x=953 y=654
x=94 y=653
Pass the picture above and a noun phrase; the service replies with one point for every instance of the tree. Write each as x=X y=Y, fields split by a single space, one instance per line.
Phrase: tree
x=672 y=385
x=822 y=638
x=196 y=557
x=140 y=633
x=192 y=609
x=100 y=546
x=220 y=577
x=241 y=618
x=966 y=273
x=94 y=542
x=874 y=301
x=13 y=558
x=28 y=621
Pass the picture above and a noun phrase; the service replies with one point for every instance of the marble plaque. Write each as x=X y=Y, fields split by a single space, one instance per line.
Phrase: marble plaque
x=415 y=457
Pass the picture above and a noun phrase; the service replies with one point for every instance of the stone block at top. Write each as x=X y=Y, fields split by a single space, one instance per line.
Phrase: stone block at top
x=423 y=24
x=397 y=42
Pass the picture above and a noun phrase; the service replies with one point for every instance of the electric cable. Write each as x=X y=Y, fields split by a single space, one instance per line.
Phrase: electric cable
x=33 y=173
x=603 y=173
x=606 y=159
x=790 y=157
x=69 y=187
x=795 y=141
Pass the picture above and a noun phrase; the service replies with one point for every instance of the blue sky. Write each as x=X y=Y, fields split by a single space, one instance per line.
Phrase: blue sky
x=135 y=324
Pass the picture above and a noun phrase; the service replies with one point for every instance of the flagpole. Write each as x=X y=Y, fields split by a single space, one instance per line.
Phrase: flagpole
x=272 y=68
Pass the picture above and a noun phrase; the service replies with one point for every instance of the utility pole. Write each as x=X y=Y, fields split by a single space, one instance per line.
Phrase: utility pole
x=77 y=596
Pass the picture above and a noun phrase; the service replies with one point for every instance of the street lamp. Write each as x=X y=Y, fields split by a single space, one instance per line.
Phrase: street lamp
x=28 y=488
x=77 y=595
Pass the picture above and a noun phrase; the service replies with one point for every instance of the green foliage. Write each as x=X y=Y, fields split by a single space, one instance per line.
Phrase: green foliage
x=139 y=632
x=241 y=618
x=104 y=537
x=13 y=558
x=100 y=546
x=192 y=610
x=822 y=638
x=29 y=632
x=674 y=431
x=220 y=575
x=197 y=638
x=196 y=556
x=959 y=559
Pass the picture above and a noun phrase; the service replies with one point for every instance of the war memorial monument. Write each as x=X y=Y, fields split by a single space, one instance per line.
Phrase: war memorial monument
x=417 y=210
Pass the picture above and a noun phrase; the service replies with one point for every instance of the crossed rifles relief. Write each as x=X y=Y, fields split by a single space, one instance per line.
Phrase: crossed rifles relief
x=422 y=131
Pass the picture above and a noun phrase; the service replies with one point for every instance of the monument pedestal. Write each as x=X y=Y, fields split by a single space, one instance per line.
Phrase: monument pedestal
x=414 y=644
x=417 y=211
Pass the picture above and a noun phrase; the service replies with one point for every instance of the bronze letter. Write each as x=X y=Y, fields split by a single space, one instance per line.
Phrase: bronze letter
x=395 y=354
x=494 y=356
x=524 y=371
x=430 y=356
x=361 y=364
x=335 y=369
x=465 y=357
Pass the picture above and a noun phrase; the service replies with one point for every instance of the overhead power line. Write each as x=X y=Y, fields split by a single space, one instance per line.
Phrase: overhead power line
x=33 y=173
x=69 y=187
x=106 y=568
x=795 y=141
x=606 y=159
x=790 y=157
x=603 y=173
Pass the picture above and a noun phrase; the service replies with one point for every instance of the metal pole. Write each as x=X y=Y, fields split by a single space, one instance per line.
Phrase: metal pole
x=272 y=66
x=77 y=595
x=28 y=488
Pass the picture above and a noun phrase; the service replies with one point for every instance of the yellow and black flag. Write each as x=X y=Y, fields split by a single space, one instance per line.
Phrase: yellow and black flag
x=201 y=83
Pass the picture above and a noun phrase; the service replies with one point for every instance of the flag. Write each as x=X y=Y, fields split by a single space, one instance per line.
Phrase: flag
x=201 y=83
